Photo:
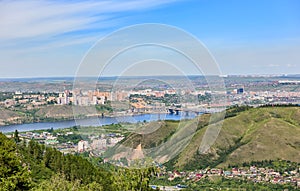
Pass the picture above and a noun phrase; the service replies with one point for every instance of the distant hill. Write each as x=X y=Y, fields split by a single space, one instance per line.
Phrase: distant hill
x=7 y=116
x=255 y=134
x=65 y=111
x=48 y=113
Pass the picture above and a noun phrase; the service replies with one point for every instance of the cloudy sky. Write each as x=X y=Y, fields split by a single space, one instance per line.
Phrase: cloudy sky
x=50 y=38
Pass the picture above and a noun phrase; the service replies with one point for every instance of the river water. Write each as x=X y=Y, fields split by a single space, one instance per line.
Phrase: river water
x=95 y=121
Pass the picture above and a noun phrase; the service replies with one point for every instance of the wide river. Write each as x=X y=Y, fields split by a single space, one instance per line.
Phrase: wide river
x=94 y=122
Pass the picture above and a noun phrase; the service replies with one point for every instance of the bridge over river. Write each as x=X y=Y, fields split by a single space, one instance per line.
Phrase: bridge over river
x=176 y=111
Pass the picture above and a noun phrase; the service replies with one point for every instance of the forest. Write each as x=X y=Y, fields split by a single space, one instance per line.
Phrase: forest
x=31 y=166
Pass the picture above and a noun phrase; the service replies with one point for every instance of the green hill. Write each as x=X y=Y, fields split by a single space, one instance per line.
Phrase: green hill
x=254 y=134
x=162 y=130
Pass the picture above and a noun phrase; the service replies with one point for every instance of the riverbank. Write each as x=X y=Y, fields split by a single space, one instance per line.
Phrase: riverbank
x=55 y=113
x=95 y=121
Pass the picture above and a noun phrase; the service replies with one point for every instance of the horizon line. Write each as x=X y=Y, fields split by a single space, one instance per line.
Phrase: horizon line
x=133 y=76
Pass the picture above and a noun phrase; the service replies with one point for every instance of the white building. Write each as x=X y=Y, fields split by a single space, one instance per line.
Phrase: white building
x=82 y=146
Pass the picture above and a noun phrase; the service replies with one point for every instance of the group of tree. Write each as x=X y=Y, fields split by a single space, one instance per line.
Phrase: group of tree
x=237 y=184
x=280 y=105
x=234 y=110
x=14 y=174
x=32 y=166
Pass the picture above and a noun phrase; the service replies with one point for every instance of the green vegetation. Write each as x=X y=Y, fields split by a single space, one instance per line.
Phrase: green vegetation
x=16 y=136
x=216 y=182
x=208 y=184
x=162 y=131
x=14 y=175
x=249 y=134
x=73 y=138
x=209 y=160
x=279 y=105
x=168 y=99
x=36 y=167
x=205 y=98
x=6 y=95
x=104 y=108
x=278 y=165
x=234 y=110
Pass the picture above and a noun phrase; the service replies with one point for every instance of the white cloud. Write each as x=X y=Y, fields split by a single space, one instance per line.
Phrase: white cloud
x=44 y=19
x=38 y=37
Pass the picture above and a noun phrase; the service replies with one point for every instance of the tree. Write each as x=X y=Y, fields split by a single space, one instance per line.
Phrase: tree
x=58 y=182
x=16 y=136
x=13 y=174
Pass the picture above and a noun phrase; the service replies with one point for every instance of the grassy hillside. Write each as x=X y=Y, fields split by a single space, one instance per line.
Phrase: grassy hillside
x=271 y=133
x=155 y=133
x=253 y=135
x=162 y=130
x=247 y=134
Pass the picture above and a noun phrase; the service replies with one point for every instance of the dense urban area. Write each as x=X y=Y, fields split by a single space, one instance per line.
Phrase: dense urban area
x=148 y=97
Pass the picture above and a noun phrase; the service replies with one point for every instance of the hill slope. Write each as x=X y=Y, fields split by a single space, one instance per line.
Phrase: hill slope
x=255 y=134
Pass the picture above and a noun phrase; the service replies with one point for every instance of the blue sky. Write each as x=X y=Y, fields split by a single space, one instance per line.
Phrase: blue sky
x=50 y=38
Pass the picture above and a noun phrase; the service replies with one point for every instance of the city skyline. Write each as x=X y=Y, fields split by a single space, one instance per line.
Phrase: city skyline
x=49 y=39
